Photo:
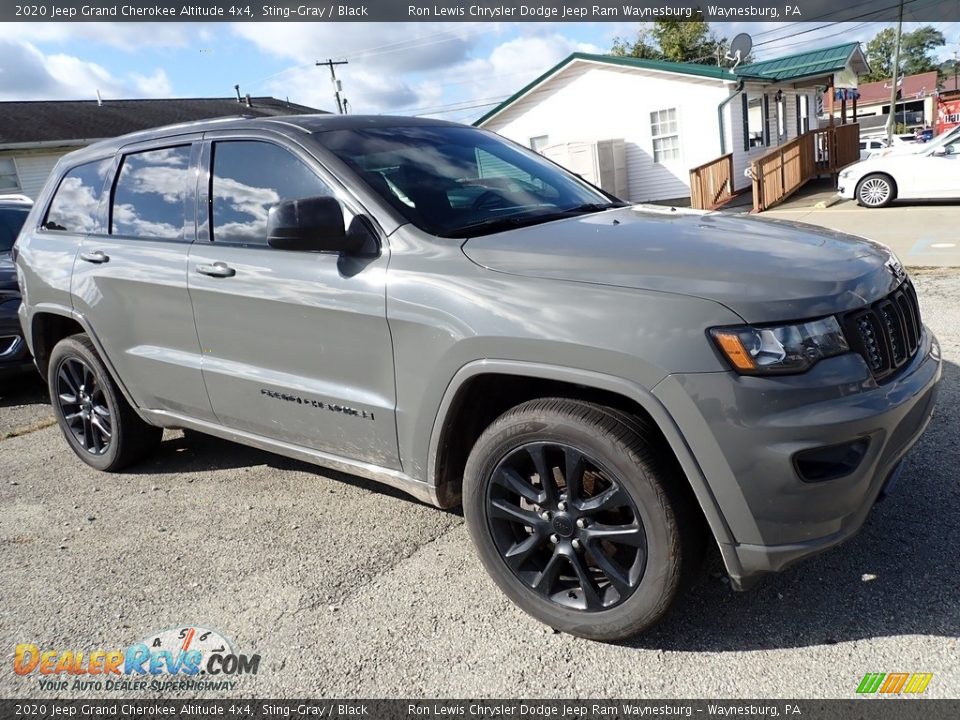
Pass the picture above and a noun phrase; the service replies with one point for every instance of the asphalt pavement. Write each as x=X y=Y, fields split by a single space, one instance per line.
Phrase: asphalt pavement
x=348 y=589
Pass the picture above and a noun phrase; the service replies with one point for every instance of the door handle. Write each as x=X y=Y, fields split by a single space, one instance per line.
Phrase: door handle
x=218 y=269
x=97 y=257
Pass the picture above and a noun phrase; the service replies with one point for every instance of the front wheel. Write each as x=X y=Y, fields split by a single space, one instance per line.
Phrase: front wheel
x=97 y=421
x=876 y=191
x=576 y=516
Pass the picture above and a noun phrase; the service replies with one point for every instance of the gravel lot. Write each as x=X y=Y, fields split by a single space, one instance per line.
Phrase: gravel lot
x=348 y=589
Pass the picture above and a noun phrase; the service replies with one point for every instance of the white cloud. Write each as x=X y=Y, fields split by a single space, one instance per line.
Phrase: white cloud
x=28 y=74
x=407 y=67
x=126 y=36
x=155 y=85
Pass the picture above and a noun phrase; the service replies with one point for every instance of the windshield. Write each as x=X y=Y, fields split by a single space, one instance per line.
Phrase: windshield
x=11 y=220
x=460 y=182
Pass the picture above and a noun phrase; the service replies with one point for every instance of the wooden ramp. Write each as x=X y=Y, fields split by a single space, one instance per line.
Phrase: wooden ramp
x=780 y=172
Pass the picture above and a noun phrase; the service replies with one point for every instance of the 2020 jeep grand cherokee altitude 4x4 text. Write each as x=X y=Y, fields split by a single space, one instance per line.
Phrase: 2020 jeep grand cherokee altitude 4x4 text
x=603 y=386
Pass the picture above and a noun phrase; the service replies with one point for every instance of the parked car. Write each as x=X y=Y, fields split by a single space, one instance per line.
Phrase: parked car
x=13 y=349
x=603 y=386
x=930 y=172
x=870 y=147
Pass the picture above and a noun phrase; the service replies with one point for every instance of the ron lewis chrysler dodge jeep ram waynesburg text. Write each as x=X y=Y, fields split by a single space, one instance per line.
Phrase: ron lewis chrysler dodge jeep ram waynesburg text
x=603 y=386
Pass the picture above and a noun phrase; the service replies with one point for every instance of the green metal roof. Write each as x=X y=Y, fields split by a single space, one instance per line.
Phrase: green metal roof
x=801 y=65
x=814 y=62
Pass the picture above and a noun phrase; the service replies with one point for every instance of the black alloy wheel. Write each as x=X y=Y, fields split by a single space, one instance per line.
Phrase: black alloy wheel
x=101 y=427
x=84 y=405
x=581 y=516
x=565 y=526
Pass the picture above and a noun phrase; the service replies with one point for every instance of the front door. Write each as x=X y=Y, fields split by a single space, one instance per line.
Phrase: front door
x=295 y=345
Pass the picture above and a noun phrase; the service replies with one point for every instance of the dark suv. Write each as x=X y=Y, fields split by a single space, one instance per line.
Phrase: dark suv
x=14 y=356
x=602 y=385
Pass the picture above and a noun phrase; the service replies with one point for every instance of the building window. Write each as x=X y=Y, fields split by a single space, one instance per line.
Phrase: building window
x=538 y=143
x=803 y=114
x=8 y=175
x=665 y=131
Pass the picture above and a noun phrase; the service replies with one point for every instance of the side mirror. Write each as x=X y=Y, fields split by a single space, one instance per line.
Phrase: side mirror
x=944 y=151
x=312 y=224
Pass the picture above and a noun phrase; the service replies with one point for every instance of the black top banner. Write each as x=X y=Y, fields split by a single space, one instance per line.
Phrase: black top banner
x=479 y=11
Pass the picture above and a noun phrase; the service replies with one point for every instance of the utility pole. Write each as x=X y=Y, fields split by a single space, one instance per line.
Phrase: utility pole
x=892 y=121
x=333 y=78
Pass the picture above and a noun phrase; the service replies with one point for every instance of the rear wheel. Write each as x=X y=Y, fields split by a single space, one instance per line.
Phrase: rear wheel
x=97 y=421
x=876 y=191
x=576 y=517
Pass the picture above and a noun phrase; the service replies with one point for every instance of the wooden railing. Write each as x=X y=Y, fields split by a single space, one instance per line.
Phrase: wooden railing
x=711 y=184
x=780 y=172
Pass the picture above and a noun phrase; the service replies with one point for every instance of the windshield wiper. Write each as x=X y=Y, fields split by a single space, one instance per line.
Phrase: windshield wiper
x=508 y=222
x=594 y=207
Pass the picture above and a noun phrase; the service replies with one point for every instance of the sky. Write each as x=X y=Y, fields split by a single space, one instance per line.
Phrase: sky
x=456 y=71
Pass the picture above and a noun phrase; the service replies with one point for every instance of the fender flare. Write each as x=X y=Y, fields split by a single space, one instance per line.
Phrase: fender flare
x=599 y=381
x=71 y=314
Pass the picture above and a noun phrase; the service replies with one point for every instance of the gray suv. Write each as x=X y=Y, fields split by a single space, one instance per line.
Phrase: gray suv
x=604 y=387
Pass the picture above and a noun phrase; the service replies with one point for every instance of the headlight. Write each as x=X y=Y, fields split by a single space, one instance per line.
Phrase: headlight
x=845 y=174
x=782 y=349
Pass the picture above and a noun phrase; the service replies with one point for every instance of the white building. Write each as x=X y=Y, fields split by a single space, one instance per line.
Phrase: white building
x=35 y=134
x=671 y=117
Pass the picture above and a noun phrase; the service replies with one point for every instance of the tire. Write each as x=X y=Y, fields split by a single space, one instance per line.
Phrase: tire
x=99 y=424
x=628 y=492
x=876 y=191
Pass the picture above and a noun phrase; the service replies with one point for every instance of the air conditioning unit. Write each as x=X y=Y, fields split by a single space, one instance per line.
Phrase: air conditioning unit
x=602 y=163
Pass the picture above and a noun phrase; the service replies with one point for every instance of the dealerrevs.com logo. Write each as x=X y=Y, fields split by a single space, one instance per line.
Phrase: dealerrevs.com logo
x=184 y=658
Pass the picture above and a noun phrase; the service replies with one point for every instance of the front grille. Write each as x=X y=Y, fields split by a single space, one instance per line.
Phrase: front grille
x=886 y=334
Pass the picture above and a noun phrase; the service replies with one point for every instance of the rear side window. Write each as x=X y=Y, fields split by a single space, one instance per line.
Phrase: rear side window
x=250 y=177
x=76 y=203
x=149 y=194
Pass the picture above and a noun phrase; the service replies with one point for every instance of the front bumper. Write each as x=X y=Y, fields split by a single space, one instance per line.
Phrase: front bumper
x=745 y=433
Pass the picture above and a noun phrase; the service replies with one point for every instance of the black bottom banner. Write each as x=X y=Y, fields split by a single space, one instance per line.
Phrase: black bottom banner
x=860 y=709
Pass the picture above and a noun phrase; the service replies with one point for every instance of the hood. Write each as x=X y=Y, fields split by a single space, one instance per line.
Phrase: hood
x=764 y=270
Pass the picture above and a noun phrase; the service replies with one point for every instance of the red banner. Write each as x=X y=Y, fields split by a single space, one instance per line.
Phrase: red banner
x=948 y=114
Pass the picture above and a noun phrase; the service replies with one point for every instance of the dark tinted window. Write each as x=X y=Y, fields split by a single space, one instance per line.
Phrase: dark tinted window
x=148 y=200
x=11 y=220
x=458 y=181
x=75 y=204
x=249 y=178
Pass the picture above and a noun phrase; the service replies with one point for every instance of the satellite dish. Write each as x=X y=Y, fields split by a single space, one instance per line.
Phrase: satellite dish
x=740 y=47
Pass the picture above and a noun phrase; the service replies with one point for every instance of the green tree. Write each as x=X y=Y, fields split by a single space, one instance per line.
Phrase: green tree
x=691 y=41
x=916 y=52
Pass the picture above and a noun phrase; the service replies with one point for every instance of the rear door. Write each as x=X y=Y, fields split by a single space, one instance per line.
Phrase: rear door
x=295 y=345
x=130 y=279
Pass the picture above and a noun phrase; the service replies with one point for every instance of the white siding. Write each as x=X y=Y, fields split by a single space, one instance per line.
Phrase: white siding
x=734 y=119
x=33 y=169
x=587 y=102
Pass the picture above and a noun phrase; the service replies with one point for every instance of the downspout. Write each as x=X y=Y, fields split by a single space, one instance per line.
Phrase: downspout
x=720 y=108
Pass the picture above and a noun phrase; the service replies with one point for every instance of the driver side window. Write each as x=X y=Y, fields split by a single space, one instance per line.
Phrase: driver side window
x=249 y=177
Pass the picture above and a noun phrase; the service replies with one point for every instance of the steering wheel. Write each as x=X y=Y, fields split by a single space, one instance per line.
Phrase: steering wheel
x=489 y=200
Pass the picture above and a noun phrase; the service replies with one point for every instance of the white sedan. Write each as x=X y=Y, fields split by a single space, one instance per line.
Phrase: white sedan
x=929 y=172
